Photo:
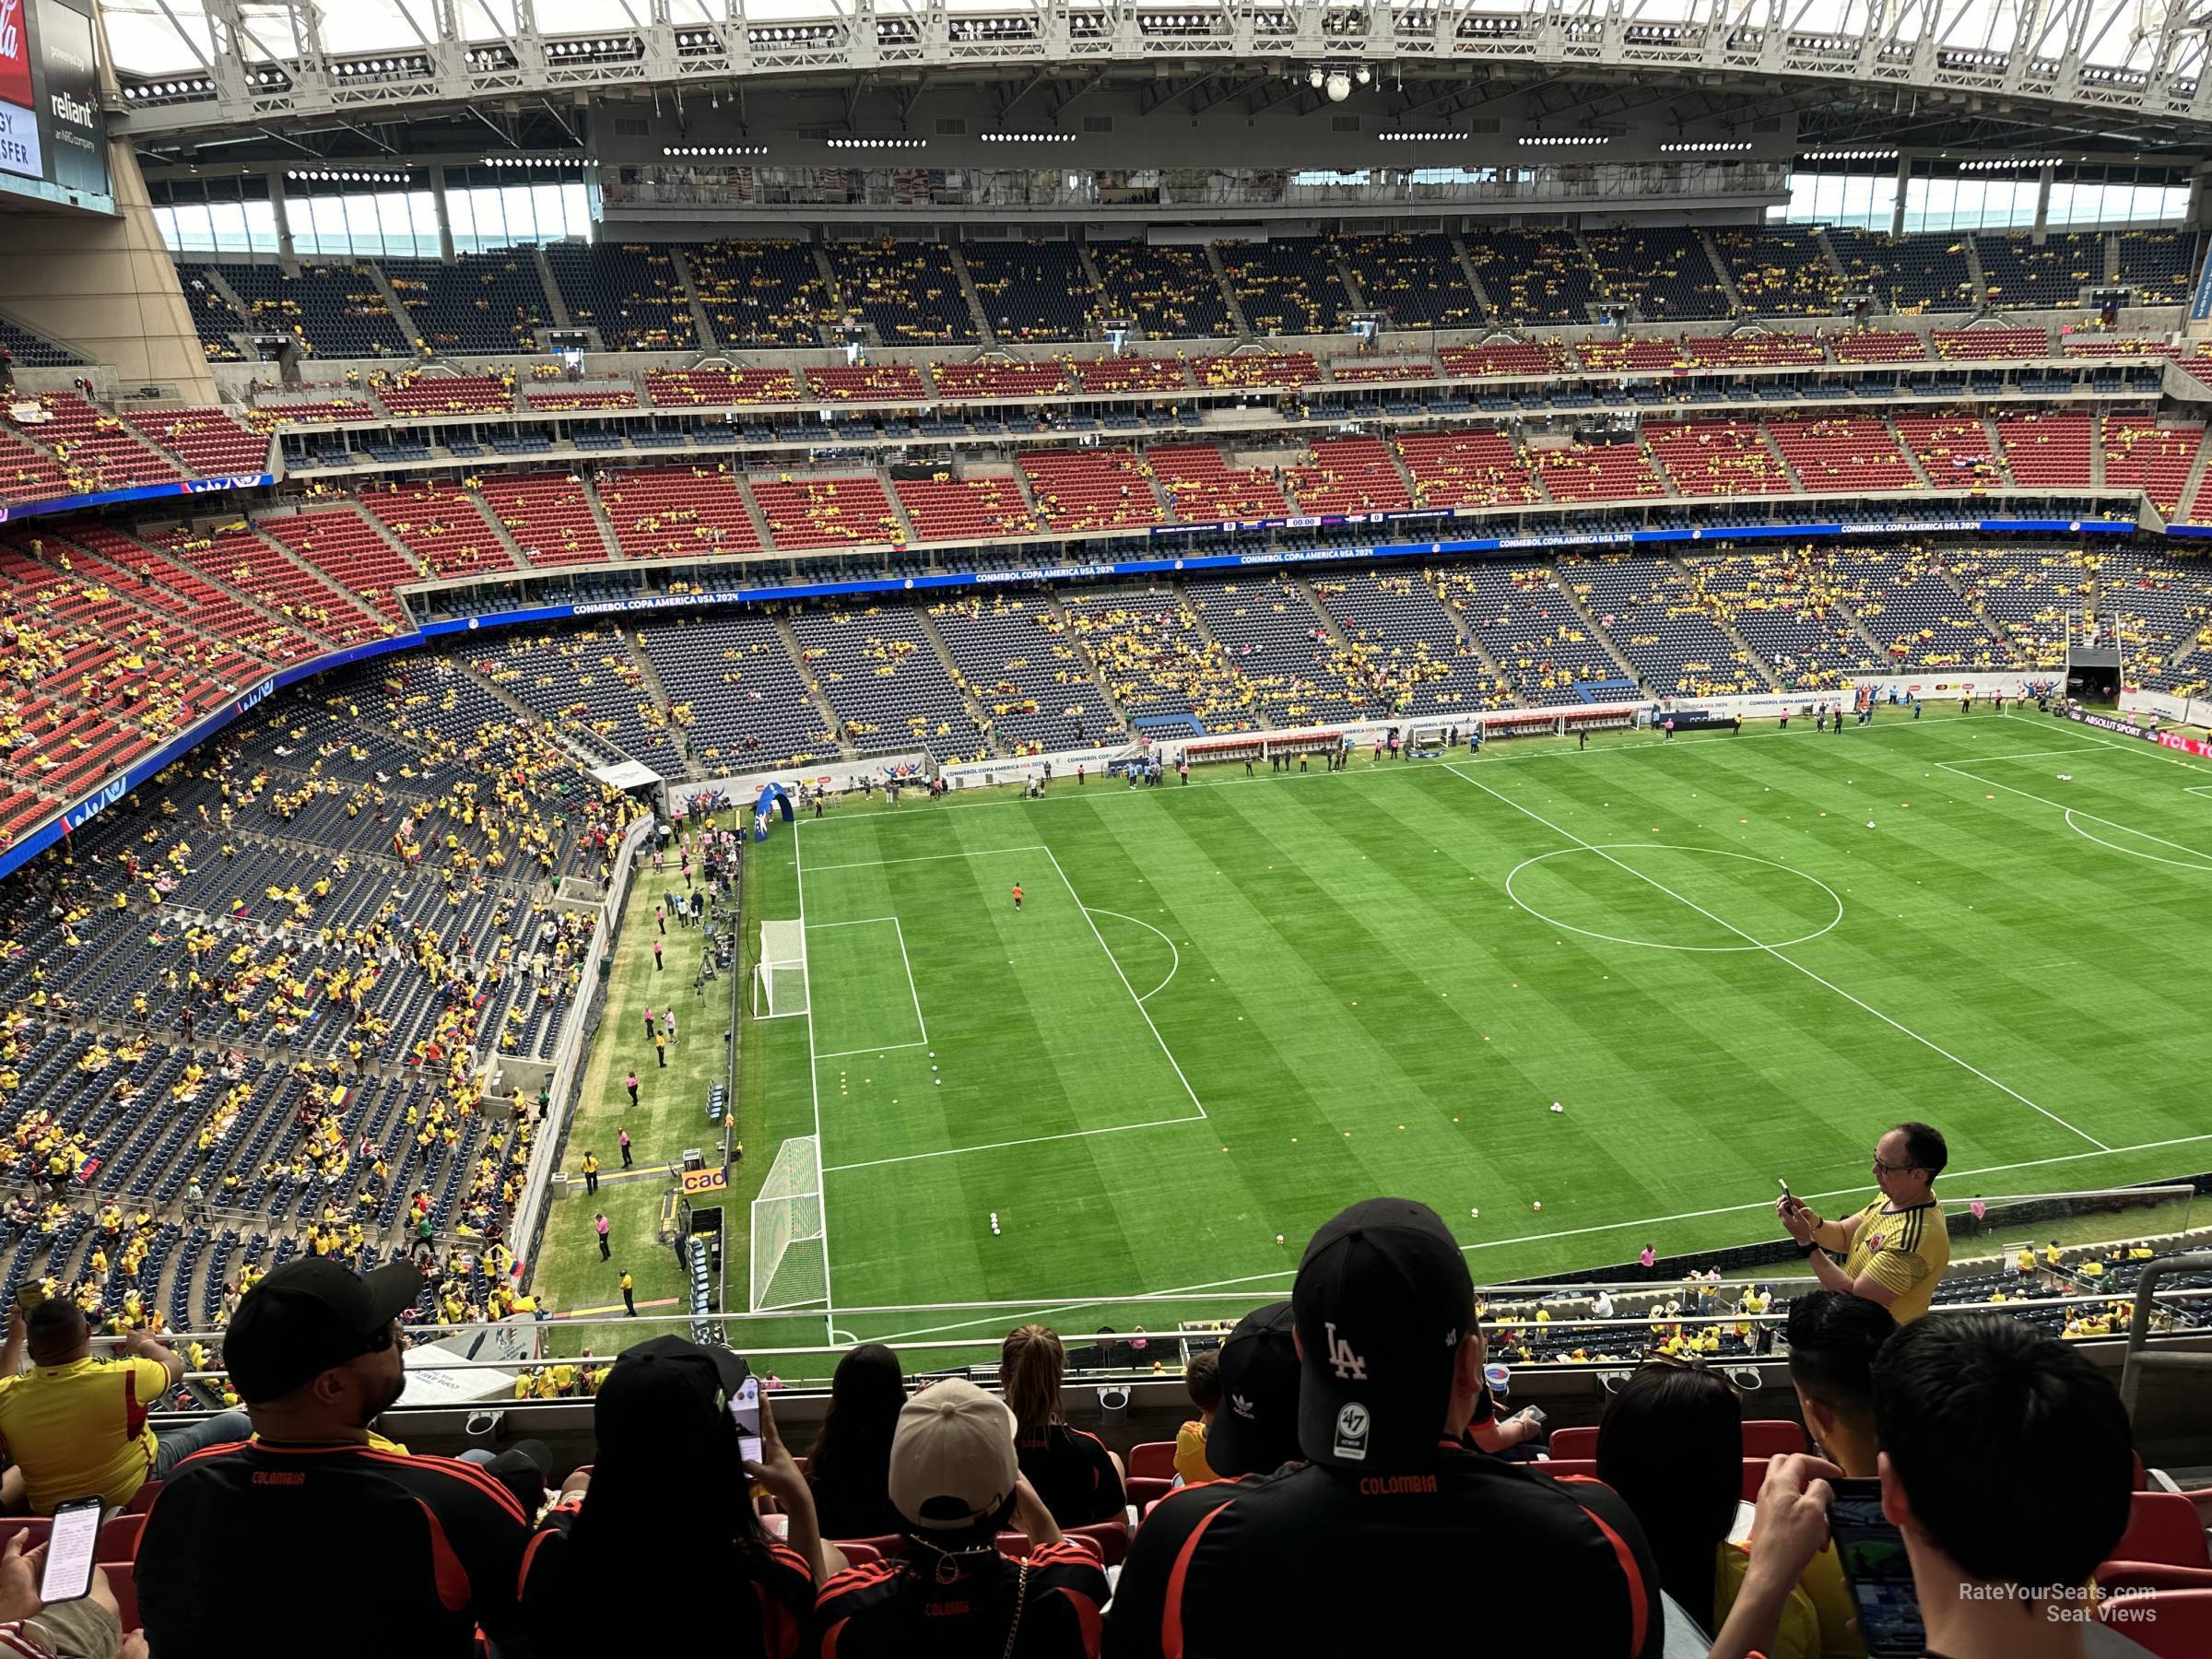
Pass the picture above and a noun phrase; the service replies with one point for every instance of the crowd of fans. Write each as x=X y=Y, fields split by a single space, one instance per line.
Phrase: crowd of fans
x=1350 y=1466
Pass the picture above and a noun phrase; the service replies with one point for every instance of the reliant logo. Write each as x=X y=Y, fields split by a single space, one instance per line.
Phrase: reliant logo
x=76 y=110
x=254 y=696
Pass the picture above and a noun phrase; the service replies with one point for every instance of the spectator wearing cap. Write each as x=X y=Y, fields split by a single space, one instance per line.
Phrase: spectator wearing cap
x=668 y=1499
x=76 y=1426
x=1672 y=1445
x=1255 y=1432
x=956 y=1480
x=2005 y=1462
x=311 y=1528
x=850 y=1468
x=1367 y=1544
x=1078 y=1478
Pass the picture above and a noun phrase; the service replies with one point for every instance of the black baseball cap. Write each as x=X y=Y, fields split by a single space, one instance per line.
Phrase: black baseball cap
x=1255 y=1430
x=1382 y=1302
x=309 y=1316
x=661 y=1391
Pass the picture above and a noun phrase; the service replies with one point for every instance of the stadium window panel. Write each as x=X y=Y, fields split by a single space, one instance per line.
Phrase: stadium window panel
x=363 y=234
x=461 y=214
x=397 y=225
x=324 y=224
x=261 y=226
x=226 y=223
x=550 y=203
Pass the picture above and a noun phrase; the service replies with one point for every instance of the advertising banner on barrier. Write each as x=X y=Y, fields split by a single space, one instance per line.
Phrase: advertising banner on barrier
x=2128 y=728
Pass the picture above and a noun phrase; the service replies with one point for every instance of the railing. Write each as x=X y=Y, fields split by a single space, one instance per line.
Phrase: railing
x=2139 y=1357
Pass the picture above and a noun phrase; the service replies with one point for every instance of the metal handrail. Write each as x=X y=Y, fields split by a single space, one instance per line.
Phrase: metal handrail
x=2140 y=1359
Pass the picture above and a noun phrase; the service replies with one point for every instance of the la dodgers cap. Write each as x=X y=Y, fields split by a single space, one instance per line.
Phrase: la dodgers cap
x=1382 y=1302
x=309 y=1316
x=1255 y=1430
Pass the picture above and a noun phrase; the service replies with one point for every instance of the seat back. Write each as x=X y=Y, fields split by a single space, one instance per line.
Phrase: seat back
x=1110 y=1538
x=2117 y=1577
x=1153 y=1460
x=1573 y=1442
x=1755 y=1476
x=861 y=1555
x=119 y=1538
x=1773 y=1437
x=2162 y=1527
x=2170 y=1624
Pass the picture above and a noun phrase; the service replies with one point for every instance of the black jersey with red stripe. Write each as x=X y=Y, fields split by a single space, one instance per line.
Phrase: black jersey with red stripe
x=1072 y=1472
x=897 y=1609
x=1470 y=1555
x=343 y=1551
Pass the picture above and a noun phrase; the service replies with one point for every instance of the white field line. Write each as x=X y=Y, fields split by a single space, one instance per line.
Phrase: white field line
x=1283 y=1274
x=1958 y=768
x=1192 y=1117
x=1174 y=956
x=813 y=1082
x=877 y=863
x=1787 y=961
x=876 y=1048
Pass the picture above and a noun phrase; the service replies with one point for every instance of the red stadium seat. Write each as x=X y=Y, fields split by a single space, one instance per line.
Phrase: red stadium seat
x=1110 y=1538
x=1561 y=1468
x=861 y=1555
x=889 y=1543
x=1755 y=1476
x=143 y=1500
x=2170 y=1624
x=2116 y=1578
x=1574 y=1442
x=1145 y=1490
x=2162 y=1528
x=127 y=1592
x=1152 y=1461
x=119 y=1538
x=1773 y=1437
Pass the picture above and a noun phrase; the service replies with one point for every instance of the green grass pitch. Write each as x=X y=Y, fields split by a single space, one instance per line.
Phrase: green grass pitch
x=1227 y=1010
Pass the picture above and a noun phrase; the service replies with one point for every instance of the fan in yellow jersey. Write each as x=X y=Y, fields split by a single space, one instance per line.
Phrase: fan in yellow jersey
x=1897 y=1247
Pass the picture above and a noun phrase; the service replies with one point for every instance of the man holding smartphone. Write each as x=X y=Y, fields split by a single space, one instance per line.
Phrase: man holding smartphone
x=1896 y=1248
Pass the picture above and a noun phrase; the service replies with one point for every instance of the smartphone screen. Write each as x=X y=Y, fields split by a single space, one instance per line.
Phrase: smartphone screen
x=745 y=1410
x=69 y=1552
x=1534 y=1414
x=1871 y=1553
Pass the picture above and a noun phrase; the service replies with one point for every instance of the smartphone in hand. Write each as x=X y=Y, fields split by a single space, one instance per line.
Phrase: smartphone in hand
x=1871 y=1553
x=70 y=1547
x=745 y=1410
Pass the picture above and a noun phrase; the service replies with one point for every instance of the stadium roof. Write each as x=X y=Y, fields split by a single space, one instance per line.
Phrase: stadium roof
x=2126 y=73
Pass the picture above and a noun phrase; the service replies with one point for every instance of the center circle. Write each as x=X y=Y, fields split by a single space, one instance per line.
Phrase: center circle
x=1731 y=907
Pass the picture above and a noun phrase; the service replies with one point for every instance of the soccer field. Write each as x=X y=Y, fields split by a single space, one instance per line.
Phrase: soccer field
x=1227 y=1009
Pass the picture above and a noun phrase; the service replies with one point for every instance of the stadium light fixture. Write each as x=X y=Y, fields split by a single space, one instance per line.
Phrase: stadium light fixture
x=1339 y=86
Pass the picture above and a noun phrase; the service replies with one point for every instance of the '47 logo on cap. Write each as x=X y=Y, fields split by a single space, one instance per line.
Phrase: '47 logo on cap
x=1349 y=1366
x=1352 y=1424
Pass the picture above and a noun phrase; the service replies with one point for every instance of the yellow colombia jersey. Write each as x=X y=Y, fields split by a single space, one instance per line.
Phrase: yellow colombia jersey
x=80 y=1428
x=1906 y=1251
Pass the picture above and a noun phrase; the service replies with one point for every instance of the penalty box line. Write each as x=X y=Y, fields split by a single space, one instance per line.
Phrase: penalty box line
x=1198 y=1113
x=1896 y=1025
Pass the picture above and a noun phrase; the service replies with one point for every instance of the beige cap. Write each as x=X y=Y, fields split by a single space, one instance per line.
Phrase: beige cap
x=952 y=1457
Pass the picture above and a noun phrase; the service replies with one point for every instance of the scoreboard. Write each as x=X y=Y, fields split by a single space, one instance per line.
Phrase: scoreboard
x=52 y=142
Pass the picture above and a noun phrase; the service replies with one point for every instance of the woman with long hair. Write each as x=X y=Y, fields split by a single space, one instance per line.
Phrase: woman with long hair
x=850 y=1467
x=1672 y=1445
x=1077 y=1477
x=666 y=1504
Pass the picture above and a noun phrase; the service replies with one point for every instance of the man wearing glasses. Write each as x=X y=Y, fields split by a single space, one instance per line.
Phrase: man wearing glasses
x=1894 y=1250
x=313 y=1534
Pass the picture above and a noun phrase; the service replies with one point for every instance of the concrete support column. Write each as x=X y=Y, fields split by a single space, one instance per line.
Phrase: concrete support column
x=280 y=210
x=2042 y=202
x=1897 y=214
x=445 y=221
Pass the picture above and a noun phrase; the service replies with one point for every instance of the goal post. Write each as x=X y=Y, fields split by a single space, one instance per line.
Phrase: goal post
x=780 y=976
x=789 y=1251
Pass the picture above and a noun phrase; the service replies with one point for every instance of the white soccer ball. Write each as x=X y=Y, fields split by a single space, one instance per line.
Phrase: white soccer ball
x=1557 y=1107
x=1476 y=1213
x=936 y=1082
x=1869 y=823
x=1538 y=1204
x=1279 y=1238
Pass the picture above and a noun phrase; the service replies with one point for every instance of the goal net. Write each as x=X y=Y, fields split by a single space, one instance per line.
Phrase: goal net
x=780 y=976
x=789 y=1251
